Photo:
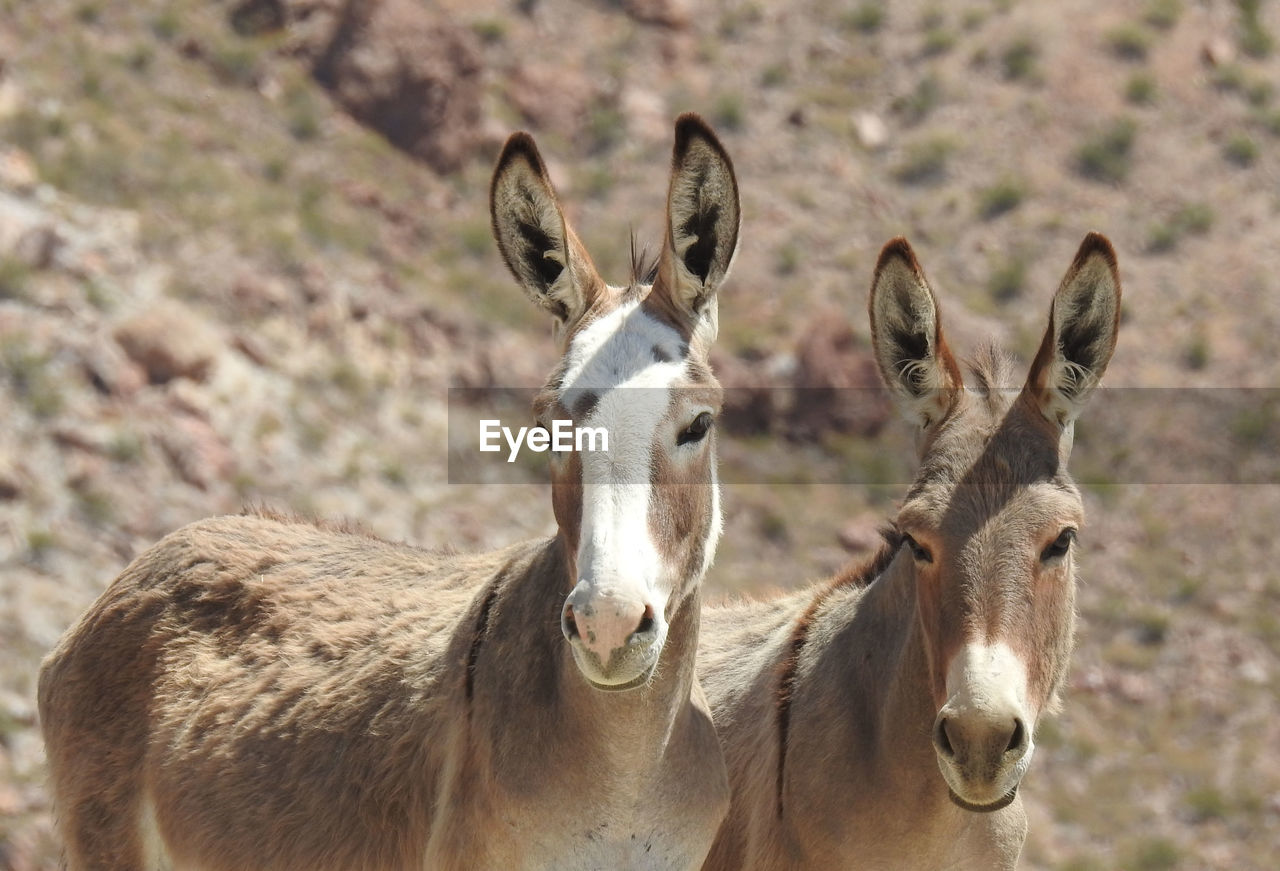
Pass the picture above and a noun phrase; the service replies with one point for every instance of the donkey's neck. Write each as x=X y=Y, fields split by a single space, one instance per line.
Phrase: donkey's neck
x=862 y=687
x=540 y=711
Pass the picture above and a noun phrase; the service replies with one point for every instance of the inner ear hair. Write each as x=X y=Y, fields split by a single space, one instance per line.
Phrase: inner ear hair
x=700 y=228
x=703 y=210
x=1085 y=316
x=1083 y=324
x=539 y=254
x=529 y=225
x=910 y=349
x=526 y=219
x=905 y=320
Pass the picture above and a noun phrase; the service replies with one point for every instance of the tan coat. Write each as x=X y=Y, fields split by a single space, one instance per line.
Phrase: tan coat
x=274 y=695
x=884 y=720
x=258 y=693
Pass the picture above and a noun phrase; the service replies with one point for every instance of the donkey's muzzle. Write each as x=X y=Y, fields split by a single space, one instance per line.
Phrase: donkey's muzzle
x=615 y=638
x=983 y=755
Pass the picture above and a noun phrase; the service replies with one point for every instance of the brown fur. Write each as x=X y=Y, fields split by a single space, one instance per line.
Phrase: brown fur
x=855 y=575
x=338 y=663
x=826 y=700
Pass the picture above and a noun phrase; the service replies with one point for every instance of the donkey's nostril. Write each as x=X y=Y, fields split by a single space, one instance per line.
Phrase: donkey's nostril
x=942 y=739
x=1018 y=739
x=646 y=622
x=567 y=624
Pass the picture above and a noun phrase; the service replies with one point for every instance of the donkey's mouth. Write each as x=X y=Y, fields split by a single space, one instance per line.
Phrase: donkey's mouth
x=635 y=683
x=1002 y=802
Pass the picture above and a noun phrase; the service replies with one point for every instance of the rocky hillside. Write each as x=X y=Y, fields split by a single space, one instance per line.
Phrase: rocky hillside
x=244 y=252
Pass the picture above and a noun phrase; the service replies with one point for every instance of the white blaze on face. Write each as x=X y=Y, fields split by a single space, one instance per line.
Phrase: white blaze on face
x=987 y=689
x=988 y=678
x=617 y=555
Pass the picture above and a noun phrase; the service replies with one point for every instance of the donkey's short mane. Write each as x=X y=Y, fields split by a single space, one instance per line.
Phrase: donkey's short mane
x=992 y=371
x=343 y=525
x=644 y=264
x=854 y=575
x=340 y=526
x=859 y=574
x=477 y=638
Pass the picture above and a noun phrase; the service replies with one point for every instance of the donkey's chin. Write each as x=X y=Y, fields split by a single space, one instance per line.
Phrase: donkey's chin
x=982 y=798
x=1003 y=802
x=627 y=670
x=635 y=683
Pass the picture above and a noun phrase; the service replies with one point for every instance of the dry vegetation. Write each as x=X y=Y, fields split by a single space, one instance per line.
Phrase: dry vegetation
x=216 y=287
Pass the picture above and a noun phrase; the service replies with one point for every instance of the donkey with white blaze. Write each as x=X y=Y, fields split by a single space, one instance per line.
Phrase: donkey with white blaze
x=262 y=694
x=884 y=719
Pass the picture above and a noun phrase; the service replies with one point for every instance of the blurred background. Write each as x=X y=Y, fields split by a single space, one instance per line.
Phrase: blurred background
x=245 y=251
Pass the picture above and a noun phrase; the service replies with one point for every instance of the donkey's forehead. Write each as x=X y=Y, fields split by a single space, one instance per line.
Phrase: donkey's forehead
x=981 y=465
x=968 y=507
x=626 y=346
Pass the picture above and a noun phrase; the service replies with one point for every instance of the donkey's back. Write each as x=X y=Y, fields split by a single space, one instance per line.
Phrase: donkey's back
x=227 y=660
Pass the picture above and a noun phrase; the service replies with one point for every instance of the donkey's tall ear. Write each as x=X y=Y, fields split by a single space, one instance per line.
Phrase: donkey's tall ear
x=1083 y=322
x=535 y=240
x=906 y=333
x=703 y=214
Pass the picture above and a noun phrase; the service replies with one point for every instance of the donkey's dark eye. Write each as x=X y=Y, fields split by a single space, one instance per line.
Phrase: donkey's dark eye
x=696 y=431
x=1059 y=547
x=919 y=552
